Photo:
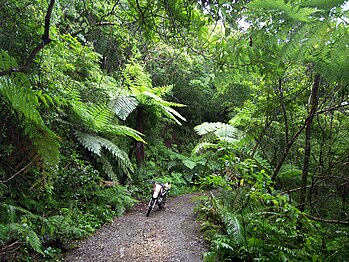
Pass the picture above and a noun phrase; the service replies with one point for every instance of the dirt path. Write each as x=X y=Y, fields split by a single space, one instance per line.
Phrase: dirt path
x=167 y=235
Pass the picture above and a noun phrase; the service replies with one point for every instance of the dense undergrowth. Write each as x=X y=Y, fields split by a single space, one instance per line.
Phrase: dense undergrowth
x=247 y=219
x=92 y=94
x=250 y=224
x=43 y=222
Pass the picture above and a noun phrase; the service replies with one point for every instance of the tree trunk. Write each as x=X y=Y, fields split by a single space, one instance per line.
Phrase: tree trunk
x=313 y=106
x=140 y=155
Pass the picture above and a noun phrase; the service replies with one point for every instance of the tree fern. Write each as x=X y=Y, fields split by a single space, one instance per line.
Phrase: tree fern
x=220 y=131
x=108 y=168
x=98 y=119
x=95 y=143
x=100 y=114
x=118 y=154
x=19 y=97
x=123 y=106
x=206 y=128
x=138 y=83
x=91 y=142
x=202 y=146
x=291 y=10
x=123 y=131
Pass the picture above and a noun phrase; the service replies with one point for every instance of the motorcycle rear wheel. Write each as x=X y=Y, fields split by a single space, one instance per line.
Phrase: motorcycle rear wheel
x=162 y=204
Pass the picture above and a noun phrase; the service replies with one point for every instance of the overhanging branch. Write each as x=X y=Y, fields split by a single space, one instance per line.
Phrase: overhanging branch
x=330 y=221
x=45 y=41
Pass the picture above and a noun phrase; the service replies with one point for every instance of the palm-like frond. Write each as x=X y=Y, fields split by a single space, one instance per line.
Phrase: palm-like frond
x=18 y=96
x=138 y=82
x=91 y=142
x=119 y=154
x=108 y=168
x=100 y=114
x=94 y=116
x=124 y=131
x=294 y=12
x=200 y=147
x=98 y=119
x=172 y=114
x=206 y=128
x=234 y=227
x=222 y=131
x=227 y=133
x=95 y=143
x=123 y=106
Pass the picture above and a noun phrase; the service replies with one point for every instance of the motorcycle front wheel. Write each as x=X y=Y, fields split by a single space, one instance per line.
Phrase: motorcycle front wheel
x=151 y=204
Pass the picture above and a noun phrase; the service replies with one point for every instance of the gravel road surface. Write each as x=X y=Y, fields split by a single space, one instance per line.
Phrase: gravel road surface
x=167 y=235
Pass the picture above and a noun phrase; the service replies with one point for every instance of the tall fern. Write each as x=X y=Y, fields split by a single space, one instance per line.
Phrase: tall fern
x=96 y=144
x=214 y=134
x=17 y=94
x=138 y=90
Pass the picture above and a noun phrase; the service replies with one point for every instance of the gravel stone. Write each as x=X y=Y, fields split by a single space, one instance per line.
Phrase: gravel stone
x=167 y=235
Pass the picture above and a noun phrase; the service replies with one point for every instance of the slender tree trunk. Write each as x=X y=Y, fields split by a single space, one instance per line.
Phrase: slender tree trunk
x=140 y=154
x=286 y=151
x=308 y=124
x=283 y=107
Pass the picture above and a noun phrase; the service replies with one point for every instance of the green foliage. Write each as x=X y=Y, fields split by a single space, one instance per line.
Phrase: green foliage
x=249 y=224
x=18 y=95
x=96 y=143
x=139 y=84
x=294 y=12
x=253 y=61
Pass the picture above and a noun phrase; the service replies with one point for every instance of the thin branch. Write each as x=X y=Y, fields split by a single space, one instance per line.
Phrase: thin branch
x=92 y=26
x=330 y=221
x=17 y=173
x=45 y=41
x=299 y=188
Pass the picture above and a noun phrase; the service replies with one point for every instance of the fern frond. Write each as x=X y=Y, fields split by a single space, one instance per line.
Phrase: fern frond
x=100 y=114
x=227 y=133
x=95 y=116
x=206 y=128
x=95 y=144
x=47 y=146
x=234 y=227
x=162 y=90
x=323 y=4
x=24 y=101
x=123 y=106
x=173 y=114
x=200 y=147
x=91 y=142
x=222 y=131
x=6 y=61
x=222 y=242
x=294 y=12
x=108 y=168
x=124 y=131
x=120 y=155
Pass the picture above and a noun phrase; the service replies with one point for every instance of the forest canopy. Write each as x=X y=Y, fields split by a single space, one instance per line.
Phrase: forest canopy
x=249 y=98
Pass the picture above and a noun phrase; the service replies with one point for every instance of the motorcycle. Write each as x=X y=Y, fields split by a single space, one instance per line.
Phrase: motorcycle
x=159 y=196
